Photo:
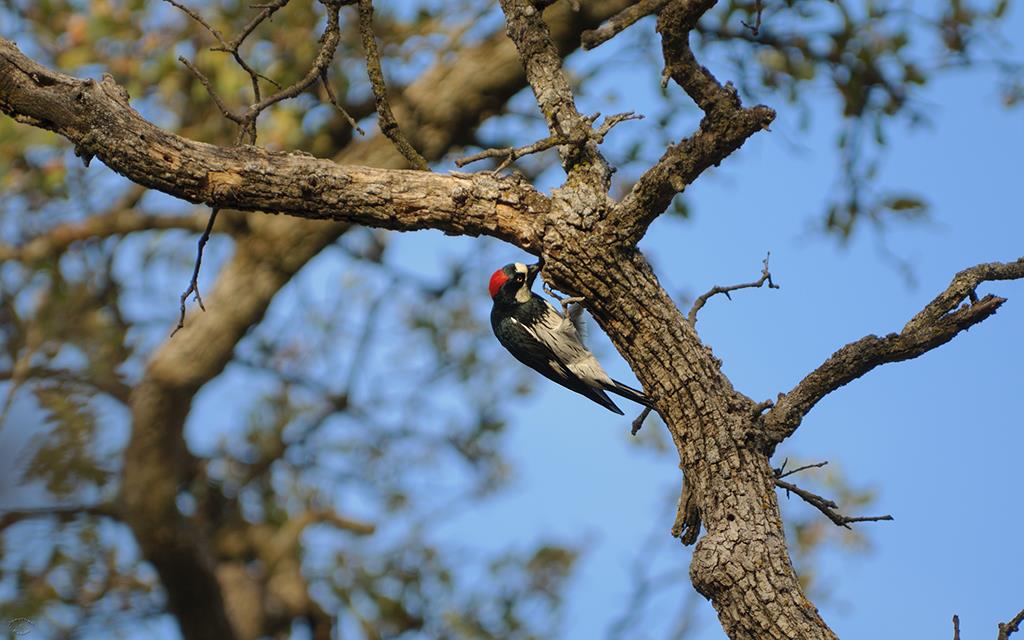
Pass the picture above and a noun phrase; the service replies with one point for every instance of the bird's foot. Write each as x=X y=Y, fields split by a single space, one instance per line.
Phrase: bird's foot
x=569 y=301
x=565 y=302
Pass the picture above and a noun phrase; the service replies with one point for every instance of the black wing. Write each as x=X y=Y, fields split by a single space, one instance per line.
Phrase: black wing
x=525 y=347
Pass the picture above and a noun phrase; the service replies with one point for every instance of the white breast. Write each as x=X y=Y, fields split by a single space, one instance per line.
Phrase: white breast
x=560 y=335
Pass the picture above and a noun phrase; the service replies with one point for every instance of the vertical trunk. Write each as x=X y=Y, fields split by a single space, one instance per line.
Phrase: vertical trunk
x=742 y=564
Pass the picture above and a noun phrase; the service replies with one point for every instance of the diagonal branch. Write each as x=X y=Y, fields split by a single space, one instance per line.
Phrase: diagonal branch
x=388 y=125
x=725 y=127
x=826 y=506
x=620 y=22
x=938 y=323
x=97 y=119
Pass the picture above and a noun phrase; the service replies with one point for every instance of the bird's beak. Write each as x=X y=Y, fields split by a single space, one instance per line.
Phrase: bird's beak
x=532 y=271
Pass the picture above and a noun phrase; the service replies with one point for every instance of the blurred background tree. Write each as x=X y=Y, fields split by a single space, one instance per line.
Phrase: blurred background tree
x=335 y=406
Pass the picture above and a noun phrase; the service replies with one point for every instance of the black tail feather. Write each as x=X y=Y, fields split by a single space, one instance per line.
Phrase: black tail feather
x=629 y=393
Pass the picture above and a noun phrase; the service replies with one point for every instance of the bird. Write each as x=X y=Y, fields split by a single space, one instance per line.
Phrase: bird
x=548 y=342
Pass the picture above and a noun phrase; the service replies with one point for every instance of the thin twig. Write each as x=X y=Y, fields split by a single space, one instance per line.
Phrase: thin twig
x=611 y=121
x=328 y=44
x=956 y=627
x=334 y=100
x=826 y=506
x=230 y=115
x=511 y=154
x=193 y=285
x=232 y=48
x=198 y=18
x=388 y=125
x=756 y=27
x=699 y=303
x=620 y=21
x=782 y=473
x=267 y=10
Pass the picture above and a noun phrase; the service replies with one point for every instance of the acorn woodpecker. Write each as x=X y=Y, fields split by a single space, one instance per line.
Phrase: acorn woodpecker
x=548 y=342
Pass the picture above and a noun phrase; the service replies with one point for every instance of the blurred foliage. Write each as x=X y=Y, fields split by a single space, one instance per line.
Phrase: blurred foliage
x=367 y=389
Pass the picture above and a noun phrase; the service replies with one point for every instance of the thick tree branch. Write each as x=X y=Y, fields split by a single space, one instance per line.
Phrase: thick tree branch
x=97 y=119
x=725 y=127
x=938 y=323
x=620 y=22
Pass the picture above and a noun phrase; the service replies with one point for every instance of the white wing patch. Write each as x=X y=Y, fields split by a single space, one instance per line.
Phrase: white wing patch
x=560 y=335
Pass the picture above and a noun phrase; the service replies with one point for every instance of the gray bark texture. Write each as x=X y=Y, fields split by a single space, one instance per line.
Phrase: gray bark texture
x=588 y=243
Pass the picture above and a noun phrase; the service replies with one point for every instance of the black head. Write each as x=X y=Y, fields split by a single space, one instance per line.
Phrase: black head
x=511 y=284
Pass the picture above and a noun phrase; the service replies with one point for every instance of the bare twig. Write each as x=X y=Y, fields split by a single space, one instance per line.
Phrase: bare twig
x=782 y=473
x=193 y=285
x=938 y=323
x=247 y=119
x=766 y=277
x=266 y=11
x=198 y=18
x=956 y=627
x=334 y=100
x=232 y=48
x=758 y=10
x=228 y=113
x=826 y=506
x=1011 y=627
x=511 y=154
x=388 y=125
x=620 y=22
x=639 y=422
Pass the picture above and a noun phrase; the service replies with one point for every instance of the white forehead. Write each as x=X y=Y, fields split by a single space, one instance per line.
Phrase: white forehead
x=520 y=267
